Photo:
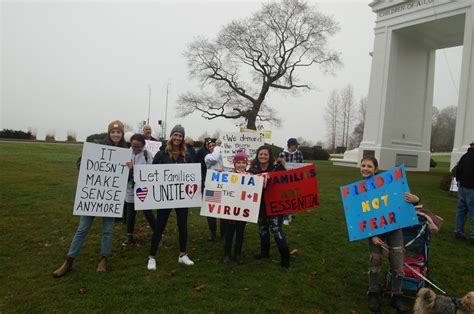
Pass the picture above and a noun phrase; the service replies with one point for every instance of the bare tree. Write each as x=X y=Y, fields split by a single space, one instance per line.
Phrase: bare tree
x=253 y=55
x=358 y=133
x=331 y=116
x=347 y=112
x=443 y=129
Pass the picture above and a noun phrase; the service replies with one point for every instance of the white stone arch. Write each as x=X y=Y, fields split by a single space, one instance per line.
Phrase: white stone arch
x=398 y=119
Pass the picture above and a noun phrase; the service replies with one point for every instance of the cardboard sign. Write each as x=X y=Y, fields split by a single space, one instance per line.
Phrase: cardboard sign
x=152 y=147
x=291 y=191
x=454 y=185
x=375 y=205
x=167 y=186
x=233 y=141
x=102 y=181
x=267 y=134
x=295 y=165
x=232 y=196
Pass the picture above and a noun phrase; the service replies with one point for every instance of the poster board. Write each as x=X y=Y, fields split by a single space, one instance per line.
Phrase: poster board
x=232 y=196
x=291 y=191
x=375 y=205
x=161 y=186
x=152 y=147
x=102 y=181
x=233 y=141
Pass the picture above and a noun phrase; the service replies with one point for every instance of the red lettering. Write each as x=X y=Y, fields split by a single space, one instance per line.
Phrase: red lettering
x=373 y=223
x=226 y=210
x=345 y=192
x=362 y=188
x=246 y=212
x=211 y=207
x=379 y=181
x=398 y=174
x=362 y=226
x=383 y=221
x=236 y=211
x=391 y=218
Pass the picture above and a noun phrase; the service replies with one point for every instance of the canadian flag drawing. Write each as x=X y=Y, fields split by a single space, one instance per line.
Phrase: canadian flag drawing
x=250 y=196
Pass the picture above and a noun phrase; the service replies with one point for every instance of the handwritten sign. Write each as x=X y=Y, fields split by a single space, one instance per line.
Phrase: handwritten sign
x=167 y=186
x=233 y=141
x=232 y=196
x=153 y=147
x=102 y=181
x=267 y=134
x=375 y=205
x=291 y=191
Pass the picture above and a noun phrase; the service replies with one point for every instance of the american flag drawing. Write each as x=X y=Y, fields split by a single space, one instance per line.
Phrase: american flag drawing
x=213 y=196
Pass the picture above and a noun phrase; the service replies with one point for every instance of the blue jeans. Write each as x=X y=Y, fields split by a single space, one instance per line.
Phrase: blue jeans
x=273 y=224
x=85 y=224
x=465 y=209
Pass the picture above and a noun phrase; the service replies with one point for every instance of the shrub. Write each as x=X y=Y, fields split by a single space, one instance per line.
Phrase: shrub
x=319 y=154
x=71 y=136
x=96 y=138
x=7 y=133
x=445 y=182
x=307 y=151
x=432 y=163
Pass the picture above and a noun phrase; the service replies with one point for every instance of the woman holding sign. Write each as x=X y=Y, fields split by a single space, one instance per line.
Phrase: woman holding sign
x=115 y=137
x=174 y=153
x=264 y=162
x=391 y=241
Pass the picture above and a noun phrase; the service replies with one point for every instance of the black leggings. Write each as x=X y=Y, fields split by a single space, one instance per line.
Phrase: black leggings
x=239 y=229
x=162 y=220
x=212 y=223
x=132 y=214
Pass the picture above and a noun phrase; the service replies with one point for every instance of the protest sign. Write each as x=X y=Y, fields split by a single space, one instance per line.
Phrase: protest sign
x=291 y=191
x=375 y=205
x=153 y=147
x=233 y=141
x=295 y=165
x=231 y=195
x=102 y=181
x=167 y=186
x=267 y=134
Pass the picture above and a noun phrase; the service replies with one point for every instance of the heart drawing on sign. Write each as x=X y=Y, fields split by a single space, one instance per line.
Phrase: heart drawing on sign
x=141 y=193
x=191 y=190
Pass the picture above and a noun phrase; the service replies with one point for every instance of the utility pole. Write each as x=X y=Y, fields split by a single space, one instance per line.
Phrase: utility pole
x=166 y=110
x=149 y=104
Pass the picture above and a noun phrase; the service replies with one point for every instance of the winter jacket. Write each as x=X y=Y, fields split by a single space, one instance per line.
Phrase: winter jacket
x=465 y=170
x=214 y=160
x=142 y=158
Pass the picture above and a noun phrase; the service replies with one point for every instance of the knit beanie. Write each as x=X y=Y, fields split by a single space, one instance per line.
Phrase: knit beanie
x=178 y=128
x=240 y=155
x=116 y=124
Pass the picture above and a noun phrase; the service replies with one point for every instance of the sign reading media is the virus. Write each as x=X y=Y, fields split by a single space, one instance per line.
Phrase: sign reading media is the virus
x=167 y=186
x=375 y=205
x=291 y=191
x=102 y=181
x=232 y=196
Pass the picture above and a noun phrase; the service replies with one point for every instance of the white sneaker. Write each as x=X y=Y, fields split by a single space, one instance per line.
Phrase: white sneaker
x=151 y=264
x=286 y=222
x=185 y=260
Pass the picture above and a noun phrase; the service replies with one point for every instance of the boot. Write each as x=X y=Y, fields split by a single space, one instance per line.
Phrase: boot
x=264 y=252
x=398 y=304
x=238 y=257
x=64 y=268
x=285 y=257
x=226 y=258
x=102 y=267
x=374 y=302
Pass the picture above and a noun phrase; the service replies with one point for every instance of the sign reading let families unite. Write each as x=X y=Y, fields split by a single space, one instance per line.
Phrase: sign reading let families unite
x=102 y=181
x=167 y=186
x=234 y=141
x=375 y=205
x=291 y=191
x=232 y=196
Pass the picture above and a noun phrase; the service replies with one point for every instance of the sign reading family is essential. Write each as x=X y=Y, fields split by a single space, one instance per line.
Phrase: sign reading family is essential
x=233 y=141
x=291 y=191
x=375 y=205
x=167 y=186
x=232 y=196
x=102 y=181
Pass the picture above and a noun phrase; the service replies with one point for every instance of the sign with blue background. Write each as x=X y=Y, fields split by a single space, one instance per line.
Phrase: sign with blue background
x=375 y=205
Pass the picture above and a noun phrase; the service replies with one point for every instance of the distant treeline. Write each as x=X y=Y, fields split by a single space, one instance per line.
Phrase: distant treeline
x=7 y=133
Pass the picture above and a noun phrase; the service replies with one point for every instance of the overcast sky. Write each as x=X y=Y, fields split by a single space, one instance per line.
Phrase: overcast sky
x=78 y=65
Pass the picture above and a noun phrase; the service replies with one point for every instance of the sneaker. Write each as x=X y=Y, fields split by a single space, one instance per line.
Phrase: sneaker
x=151 y=263
x=128 y=242
x=185 y=260
x=459 y=236
x=226 y=259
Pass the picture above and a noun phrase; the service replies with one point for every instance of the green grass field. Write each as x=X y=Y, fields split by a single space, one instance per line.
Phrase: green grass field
x=328 y=274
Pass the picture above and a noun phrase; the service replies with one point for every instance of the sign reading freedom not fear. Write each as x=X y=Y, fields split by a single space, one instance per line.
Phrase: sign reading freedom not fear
x=375 y=205
x=291 y=191
x=167 y=186
x=102 y=181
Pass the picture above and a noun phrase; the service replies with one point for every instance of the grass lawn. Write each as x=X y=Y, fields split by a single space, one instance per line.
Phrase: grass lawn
x=328 y=273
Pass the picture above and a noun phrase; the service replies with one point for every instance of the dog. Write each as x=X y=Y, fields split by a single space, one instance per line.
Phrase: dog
x=427 y=302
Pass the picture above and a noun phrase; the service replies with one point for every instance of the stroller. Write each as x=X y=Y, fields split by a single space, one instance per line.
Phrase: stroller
x=417 y=240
